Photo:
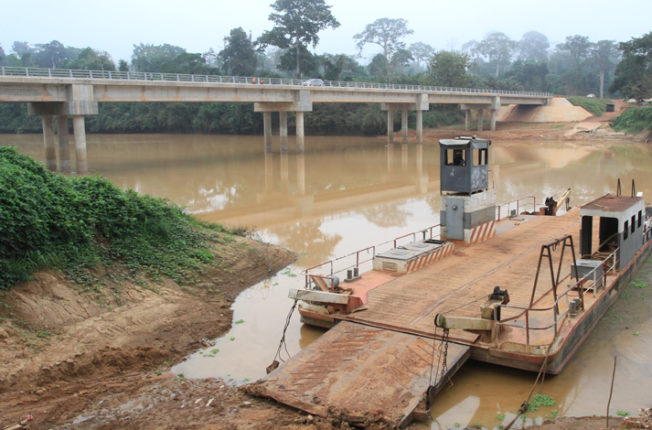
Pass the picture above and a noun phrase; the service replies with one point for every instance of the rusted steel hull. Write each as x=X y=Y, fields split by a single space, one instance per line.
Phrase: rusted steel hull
x=363 y=374
x=581 y=329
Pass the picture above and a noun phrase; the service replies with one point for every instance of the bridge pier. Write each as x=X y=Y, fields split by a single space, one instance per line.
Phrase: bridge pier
x=64 y=148
x=79 y=128
x=48 y=142
x=390 y=124
x=301 y=105
x=299 y=132
x=267 y=131
x=283 y=130
x=480 y=119
x=419 y=126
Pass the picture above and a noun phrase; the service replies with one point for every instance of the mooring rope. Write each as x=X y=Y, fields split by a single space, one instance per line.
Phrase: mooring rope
x=283 y=344
x=526 y=403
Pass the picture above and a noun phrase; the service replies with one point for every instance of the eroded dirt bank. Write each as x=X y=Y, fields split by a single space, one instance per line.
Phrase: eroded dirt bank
x=66 y=349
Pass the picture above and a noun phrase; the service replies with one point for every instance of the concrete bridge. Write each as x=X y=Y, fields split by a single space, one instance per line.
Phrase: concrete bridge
x=62 y=93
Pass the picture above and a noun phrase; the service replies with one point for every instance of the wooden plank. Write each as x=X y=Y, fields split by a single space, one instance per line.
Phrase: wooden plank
x=361 y=373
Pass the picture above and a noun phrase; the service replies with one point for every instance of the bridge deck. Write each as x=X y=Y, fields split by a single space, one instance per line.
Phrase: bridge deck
x=379 y=360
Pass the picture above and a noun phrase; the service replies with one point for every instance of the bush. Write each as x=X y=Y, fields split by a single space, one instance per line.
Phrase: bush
x=49 y=220
x=634 y=120
x=596 y=106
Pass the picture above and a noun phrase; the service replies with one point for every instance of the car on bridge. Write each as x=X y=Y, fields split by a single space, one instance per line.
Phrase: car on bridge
x=313 y=83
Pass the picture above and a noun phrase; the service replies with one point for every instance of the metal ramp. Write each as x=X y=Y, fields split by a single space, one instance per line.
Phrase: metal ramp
x=361 y=374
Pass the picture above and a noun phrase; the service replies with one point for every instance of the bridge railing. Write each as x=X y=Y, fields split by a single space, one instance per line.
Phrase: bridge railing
x=253 y=80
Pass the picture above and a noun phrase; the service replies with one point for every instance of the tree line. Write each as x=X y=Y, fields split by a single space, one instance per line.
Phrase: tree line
x=577 y=66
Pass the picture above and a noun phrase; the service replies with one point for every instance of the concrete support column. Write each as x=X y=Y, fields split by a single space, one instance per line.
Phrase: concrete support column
x=480 y=115
x=64 y=148
x=267 y=131
x=48 y=142
x=283 y=130
x=390 y=125
x=419 y=126
x=404 y=125
x=300 y=134
x=492 y=121
x=467 y=119
x=79 y=129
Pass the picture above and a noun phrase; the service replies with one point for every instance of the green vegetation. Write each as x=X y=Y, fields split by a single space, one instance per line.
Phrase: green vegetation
x=596 y=106
x=540 y=400
x=622 y=413
x=78 y=224
x=634 y=120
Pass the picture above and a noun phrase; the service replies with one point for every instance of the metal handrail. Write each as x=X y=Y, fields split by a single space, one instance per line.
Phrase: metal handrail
x=518 y=206
x=426 y=232
x=38 y=72
x=558 y=316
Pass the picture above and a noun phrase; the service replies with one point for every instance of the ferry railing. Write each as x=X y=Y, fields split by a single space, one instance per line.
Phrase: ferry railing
x=181 y=77
x=517 y=204
x=608 y=265
x=330 y=268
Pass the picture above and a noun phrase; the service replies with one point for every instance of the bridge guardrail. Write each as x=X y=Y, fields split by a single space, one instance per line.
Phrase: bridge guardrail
x=253 y=80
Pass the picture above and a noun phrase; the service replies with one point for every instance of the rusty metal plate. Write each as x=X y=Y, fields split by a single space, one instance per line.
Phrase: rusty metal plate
x=360 y=373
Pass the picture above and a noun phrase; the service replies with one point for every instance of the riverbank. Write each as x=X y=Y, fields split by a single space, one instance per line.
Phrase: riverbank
x=65 y=350
x=130 y=386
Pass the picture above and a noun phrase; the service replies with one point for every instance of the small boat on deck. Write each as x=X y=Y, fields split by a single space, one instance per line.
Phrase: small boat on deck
x=500 y=284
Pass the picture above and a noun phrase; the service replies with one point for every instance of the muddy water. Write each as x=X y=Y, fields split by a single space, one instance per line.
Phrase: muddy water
x=347 y=193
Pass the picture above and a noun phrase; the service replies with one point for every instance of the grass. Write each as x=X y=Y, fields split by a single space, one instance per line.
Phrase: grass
x=77 y=225
x=540 y=400
x=594 y=105
x=634 y=120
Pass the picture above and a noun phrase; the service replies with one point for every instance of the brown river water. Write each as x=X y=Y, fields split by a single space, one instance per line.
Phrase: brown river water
x=347 y=193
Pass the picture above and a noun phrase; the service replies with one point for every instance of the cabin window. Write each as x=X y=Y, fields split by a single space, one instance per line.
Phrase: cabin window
x=633 y=223
x=455 y=157
x=639 y=218
x=626 y=230
x=480 y=157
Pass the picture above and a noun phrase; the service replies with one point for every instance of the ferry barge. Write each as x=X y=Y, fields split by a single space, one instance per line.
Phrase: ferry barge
x=512 y=290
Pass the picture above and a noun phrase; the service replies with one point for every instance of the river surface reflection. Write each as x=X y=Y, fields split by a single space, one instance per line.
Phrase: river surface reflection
x=346 y=193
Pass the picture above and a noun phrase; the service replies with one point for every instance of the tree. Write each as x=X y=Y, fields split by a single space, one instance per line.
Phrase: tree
x=386 y=33
x=449 y=69
x=498 y=49
x=379 y=67
x=341 y=68
x=634 y=72
x=531 y=76
x=578 y=48
x=401 y=60
x=54 y=54
x=238 y=56
x=123 y=66
x=89 y=59
x=150 y=58
x=421 y=52
x=533 y=47
x=297 y=23
x=605 y=55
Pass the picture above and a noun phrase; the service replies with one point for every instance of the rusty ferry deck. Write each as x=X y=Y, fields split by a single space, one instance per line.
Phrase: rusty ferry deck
x=524 y=298
x=378 y=363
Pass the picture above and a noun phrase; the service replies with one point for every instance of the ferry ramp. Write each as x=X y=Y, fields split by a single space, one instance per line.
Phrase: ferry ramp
x=377 y=365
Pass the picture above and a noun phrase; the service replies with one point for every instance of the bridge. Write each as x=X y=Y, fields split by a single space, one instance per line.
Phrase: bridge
x=64 y=93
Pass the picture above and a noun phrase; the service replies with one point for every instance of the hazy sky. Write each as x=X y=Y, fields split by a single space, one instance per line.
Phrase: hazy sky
x=197 y=25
